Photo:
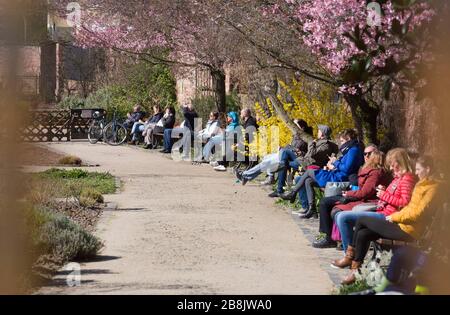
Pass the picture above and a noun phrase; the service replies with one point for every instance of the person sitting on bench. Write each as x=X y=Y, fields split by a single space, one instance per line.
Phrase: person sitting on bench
x=212 y=128
x=134 y=117
x=166 y=122
x=370 y=176
x=186 y=126
x=272 y=162
x=142 y=128
x=406 y=225
x=337 y=170
x=318 y=152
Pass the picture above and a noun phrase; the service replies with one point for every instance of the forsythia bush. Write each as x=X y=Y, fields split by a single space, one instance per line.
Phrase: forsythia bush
x=315 y=110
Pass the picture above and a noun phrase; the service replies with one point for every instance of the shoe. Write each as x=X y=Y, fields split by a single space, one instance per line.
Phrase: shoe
x=298 y=211
x=132 y=142
x=164 y=151
x=220 y=168
x=270 y=180
x=241 y=178
x=214 y=163
x=274 y=194
x=346 y=261
x=147 y=146
x=324 y=242
x=310 y=213
x=291 y=196
x=351 y=277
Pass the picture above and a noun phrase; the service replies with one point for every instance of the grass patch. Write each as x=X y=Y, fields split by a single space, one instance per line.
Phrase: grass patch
x=287 y=203
x=70 y=160
x=79 y=180
x=359 y=285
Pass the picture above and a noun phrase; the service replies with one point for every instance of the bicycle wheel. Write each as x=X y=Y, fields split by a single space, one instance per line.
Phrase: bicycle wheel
x=115 y=134
x=95 y=132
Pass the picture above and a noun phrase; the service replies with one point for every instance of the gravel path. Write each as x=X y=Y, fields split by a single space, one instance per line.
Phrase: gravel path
x=184 y=229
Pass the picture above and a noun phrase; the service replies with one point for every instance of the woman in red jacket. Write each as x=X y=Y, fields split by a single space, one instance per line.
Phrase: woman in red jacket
x=371 y=174
x=391 y=199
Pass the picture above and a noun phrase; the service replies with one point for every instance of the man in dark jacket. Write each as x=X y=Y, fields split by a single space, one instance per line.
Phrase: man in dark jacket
x=319 y=152
x=187 y=126
x=134 y=117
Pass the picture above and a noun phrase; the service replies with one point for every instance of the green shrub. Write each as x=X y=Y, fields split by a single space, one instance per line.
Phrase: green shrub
x=57 y=235
x=90 y=197
x=205 y=104
x=70 y=160
x=72 y=101
x=140 y=83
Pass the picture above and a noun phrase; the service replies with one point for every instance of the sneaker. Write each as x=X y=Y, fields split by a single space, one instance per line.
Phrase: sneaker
x=220 y=168
x=214 y=163
x=298 y=211
x=269 y=181
x=324 y=242
x=274 y=194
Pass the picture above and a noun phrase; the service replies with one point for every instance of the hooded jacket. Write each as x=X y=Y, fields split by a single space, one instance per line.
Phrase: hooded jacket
x=233 y=126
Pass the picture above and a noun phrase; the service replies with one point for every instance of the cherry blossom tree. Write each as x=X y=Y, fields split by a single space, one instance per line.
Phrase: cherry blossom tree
x=364 y=48
x=180 y=33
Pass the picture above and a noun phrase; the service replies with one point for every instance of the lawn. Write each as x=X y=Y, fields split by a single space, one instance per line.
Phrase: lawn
x=104 y=183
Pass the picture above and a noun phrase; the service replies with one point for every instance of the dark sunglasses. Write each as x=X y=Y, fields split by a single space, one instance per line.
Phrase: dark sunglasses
x=367 y=153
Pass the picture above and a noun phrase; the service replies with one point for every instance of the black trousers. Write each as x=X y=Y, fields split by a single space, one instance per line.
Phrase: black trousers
x=370 y=229
x=326 y=205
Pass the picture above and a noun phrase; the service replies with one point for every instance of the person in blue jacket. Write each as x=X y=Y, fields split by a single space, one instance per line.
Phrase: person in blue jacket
x=337 y=170
x=233 y=127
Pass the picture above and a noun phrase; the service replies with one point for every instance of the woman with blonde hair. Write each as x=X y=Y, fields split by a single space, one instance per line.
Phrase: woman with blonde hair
x=406 y=225
x=390 y=200
x=370 y=175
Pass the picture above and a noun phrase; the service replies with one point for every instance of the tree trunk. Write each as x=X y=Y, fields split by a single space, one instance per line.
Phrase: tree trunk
x=218 y=78
x=365 y=117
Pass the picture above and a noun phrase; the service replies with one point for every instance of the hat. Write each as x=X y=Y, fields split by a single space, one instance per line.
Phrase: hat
x=326 y=131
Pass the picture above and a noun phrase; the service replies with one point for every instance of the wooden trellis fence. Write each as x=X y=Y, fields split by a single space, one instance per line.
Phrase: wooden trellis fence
x=57 y=125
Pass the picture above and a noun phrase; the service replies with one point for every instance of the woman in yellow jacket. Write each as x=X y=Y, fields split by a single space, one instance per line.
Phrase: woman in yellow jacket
x=406 y=225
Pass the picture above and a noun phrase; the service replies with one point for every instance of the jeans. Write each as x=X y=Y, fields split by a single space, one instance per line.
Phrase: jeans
x=168 y=142
x=370 y=229
x=346 y=221
x=325 y=206
x=215 y=141
x=267 y=164
x=306 y=181
x=303 y=197
x=289 y=160
x=137 y=127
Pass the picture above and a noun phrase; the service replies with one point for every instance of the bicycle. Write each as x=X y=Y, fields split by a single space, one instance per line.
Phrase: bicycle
x=113 y=133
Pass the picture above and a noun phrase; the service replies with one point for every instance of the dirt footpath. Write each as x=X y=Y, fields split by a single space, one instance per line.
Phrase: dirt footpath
x=184 y=229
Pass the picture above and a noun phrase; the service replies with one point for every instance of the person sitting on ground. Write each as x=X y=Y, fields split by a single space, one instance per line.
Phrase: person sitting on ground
x=140 y=127
x=187 y=126
x=271 y=162
x=212 y=127
x=405 y=225
x=370 y=176
x=217 y=141
x=134 y=117
x=337 y=170
x=391 y=199
x=318 y=154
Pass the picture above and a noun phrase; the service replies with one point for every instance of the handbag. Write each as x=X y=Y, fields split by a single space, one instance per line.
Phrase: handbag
x=336 y=188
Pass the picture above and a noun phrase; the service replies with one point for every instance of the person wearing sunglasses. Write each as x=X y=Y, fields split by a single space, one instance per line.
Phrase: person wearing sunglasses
x=370 y=175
